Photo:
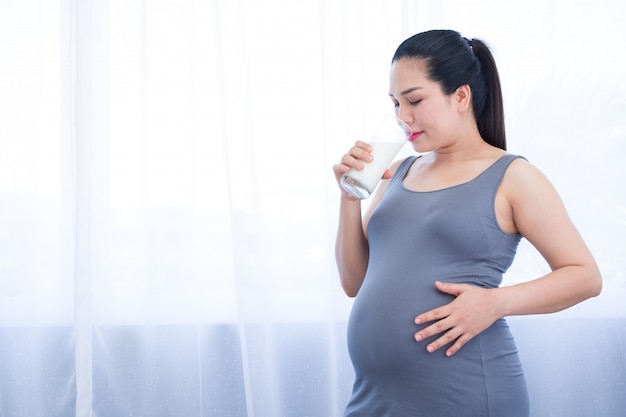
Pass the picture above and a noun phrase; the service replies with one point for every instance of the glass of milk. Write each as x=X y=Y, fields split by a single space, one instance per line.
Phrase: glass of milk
x=386 y=142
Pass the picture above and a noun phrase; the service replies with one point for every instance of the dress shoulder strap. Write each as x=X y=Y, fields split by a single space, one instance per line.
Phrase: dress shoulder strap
x=403 y=168
x=496 y=171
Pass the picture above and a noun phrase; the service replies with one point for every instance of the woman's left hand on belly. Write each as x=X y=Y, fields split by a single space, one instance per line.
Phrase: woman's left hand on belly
x=473 y=310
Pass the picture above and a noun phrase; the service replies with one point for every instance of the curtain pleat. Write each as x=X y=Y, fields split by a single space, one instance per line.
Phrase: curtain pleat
x=168 y=210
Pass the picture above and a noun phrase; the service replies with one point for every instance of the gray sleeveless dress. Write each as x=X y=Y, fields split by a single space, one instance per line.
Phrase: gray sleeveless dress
x=416 y=238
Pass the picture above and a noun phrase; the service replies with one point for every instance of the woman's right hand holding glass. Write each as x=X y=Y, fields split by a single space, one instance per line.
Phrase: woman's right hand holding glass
x=356 y=156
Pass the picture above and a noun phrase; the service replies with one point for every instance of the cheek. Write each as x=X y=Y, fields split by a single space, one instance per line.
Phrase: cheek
x=425 y=118
x=433 y=117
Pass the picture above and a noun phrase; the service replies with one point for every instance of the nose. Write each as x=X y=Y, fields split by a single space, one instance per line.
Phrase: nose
x=404 y=114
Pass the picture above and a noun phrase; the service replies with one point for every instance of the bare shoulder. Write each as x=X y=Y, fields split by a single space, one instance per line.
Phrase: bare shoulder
x=535 y=204
x=523 y=181
x=538 y=214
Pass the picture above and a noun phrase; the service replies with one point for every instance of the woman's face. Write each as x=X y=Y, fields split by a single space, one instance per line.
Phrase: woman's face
x=422 y=104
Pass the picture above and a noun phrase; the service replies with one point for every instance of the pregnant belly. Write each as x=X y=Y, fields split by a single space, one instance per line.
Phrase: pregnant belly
x=381 y=329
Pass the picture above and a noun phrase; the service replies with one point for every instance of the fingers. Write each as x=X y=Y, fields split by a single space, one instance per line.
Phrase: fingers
x=432 y=315
x=439 y=326
x=456 y=323
x=451 y=327
x=460 y=342
x=453 y=334
x=361 y=152
x=453 y=289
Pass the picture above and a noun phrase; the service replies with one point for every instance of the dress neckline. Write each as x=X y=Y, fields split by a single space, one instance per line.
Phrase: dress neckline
x=414 y=158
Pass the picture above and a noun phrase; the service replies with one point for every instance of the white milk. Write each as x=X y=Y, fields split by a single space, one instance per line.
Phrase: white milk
x=369 y=176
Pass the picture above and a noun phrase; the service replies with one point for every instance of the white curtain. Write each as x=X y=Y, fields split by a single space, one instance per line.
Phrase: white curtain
x=167 y=206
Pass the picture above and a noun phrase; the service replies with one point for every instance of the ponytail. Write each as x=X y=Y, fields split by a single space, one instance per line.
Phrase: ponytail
x=489 y=119
x=453 y=61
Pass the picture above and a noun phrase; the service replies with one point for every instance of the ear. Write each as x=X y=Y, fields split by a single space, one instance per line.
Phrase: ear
x=463 y=97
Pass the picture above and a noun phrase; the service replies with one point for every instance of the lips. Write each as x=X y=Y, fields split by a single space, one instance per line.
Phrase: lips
x=415 y=135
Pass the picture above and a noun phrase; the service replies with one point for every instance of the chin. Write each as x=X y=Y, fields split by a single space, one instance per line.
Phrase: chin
x=420 y=148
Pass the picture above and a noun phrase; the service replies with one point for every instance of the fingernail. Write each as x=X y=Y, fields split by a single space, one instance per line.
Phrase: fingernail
x=430 y=349
x=418 y=337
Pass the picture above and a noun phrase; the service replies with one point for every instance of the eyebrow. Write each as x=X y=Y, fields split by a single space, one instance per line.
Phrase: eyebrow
x=407 y=91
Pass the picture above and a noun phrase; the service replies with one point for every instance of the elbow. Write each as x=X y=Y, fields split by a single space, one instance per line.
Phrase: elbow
x=595 y=282
x=351 y=286
x=351 y=294
x=597 y=285
x=350 y=290
x=351 y=281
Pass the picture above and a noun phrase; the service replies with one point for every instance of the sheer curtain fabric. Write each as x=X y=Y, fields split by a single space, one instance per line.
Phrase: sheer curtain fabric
x=168 y=208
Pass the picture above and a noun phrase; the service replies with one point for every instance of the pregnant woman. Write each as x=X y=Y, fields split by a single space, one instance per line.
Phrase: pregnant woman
x=427 y=334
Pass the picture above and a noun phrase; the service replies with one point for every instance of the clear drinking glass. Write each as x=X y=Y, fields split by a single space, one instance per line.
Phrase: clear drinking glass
x=386 y=142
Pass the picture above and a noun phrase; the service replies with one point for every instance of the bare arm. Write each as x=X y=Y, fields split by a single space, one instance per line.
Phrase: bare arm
x=541 y=217
x=537 y=212
x=351 y=246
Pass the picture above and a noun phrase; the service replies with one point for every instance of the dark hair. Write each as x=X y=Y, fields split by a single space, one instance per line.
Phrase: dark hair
x=453 y=61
